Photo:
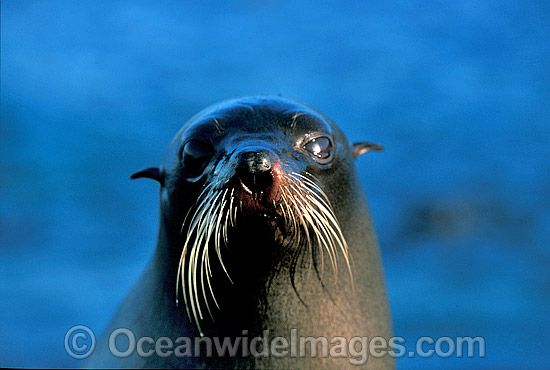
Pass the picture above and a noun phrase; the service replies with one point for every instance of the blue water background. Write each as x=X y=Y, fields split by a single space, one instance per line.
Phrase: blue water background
x=457 y=91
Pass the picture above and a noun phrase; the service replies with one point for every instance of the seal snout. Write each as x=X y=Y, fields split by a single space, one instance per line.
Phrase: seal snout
x=255 y=171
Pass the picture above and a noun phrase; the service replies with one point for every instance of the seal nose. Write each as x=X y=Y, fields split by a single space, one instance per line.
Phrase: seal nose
x=255 y=171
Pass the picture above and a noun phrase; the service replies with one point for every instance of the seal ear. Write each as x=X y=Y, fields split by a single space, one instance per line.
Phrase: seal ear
x=151 y=173
x=362 y=148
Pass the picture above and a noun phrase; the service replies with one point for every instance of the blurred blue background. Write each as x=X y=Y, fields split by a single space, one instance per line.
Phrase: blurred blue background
x=457 y=91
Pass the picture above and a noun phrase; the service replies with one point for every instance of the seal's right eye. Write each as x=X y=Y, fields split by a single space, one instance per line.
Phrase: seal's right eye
x=195 y=154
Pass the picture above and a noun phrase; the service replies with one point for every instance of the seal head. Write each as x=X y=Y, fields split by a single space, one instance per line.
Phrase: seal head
x=263 y=226
x=244 y=188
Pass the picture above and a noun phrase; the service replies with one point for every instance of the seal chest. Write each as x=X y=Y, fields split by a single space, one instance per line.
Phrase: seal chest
x=263 y=229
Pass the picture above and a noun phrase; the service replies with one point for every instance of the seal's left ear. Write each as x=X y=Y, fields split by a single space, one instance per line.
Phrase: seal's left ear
x=150 y=173
x=362 y=148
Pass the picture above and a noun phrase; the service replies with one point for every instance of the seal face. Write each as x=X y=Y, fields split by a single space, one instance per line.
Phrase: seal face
x=259 y=200
x=263 y=223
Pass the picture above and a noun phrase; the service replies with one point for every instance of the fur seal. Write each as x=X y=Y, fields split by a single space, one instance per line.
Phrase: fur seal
x=264 y=232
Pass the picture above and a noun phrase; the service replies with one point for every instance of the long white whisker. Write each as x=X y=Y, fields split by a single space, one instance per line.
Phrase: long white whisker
x=301 y=215
x=213 y=221
x=217 y=233
x=324 y=215
x=206 y=229
x=315 y=222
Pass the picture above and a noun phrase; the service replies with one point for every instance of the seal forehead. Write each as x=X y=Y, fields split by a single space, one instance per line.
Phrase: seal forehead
x=256 y=115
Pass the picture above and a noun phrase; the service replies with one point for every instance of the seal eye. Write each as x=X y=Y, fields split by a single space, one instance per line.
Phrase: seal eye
x=320 y=148
x=195 y=154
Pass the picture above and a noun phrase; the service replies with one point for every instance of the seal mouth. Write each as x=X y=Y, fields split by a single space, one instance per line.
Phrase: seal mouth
x=264 y=204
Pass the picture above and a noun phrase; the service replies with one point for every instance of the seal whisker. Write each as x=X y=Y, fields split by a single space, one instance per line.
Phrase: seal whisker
x=205 y=260
x=231 y=207
x=207 y=225
x=228 y=218
x=327 y=239
x=207 y=231
x=213 y=223
x=196 y=204
x=290 y=213
x=201 y=249
x=296 y=235
x=325 y=217
x=304 y=209
x=309 y=179
x=315 y=223
x=197 y=227
x=235 y=214
x=217 y=233
x=302 y=214
x=191 y=230
x=326 y=207
x=335 y=230
x=195 y=252
x=313 y=189
x=226 y=225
